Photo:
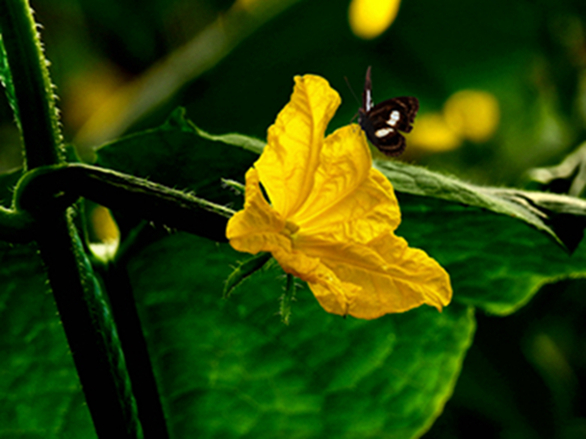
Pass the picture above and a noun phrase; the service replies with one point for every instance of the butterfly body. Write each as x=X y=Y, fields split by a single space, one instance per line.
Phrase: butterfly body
x=384 y=122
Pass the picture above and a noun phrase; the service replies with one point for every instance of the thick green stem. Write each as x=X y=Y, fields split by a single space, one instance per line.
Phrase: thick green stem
x=51 y=188
x=32 y=84
x=85 y=317
x=55 y=187
x=90 y=330
x=119 y=290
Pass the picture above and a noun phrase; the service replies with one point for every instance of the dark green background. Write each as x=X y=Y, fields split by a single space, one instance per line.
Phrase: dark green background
x=524 y=375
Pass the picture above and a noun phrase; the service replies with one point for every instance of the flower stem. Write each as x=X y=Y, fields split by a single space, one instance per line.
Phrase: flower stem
x=85 y=316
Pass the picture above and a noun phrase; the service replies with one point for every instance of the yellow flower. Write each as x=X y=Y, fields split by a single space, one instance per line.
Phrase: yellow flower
x=370 y=18
x=331 y=215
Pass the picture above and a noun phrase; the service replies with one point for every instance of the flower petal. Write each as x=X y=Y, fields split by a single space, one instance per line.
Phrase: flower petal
x=349 y=204
x=288 y=163
x=259 y=228
x=344 y=163
x=250 y=230
x=334 y=296
x=393 y=277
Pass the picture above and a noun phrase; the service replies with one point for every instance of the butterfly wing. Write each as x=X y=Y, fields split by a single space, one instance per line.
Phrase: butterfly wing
x=406 y=106
x=384 y=123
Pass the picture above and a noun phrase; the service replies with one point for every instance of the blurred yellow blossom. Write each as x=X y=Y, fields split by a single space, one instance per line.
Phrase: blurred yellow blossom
x=332 y=216
x=434 y=134
x=473 y=114
x=370 y=18
x=467 y=115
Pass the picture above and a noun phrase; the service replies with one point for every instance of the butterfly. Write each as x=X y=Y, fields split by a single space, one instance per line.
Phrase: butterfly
x=384 y=122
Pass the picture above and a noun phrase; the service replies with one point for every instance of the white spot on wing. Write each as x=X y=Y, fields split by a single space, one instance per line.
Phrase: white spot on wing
x=383 y=132
x=394 y=117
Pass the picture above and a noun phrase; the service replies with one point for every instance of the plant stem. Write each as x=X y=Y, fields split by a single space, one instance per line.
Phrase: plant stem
x=119 y=290
x=53 y=188
x=90 y=330
x=85 y=317
x=32 y=84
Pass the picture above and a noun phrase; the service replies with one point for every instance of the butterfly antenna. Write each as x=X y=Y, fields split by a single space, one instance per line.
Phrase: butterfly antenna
x=351 y=91
x=353 y=94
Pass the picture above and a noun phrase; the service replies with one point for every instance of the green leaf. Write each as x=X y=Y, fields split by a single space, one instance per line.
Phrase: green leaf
x=495 y=262
x=536 y=209
x=40 y=394
x=498 y=245
x=568 y=177
x=232 y=369
x=246 y=142
x=182 y=156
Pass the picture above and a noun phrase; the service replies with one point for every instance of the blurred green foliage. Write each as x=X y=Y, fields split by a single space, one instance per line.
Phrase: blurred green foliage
x=525 y=374
x=528 y=54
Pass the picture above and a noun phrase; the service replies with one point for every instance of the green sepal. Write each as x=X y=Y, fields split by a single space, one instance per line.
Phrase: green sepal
x=244 y=270
x=287 y=298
